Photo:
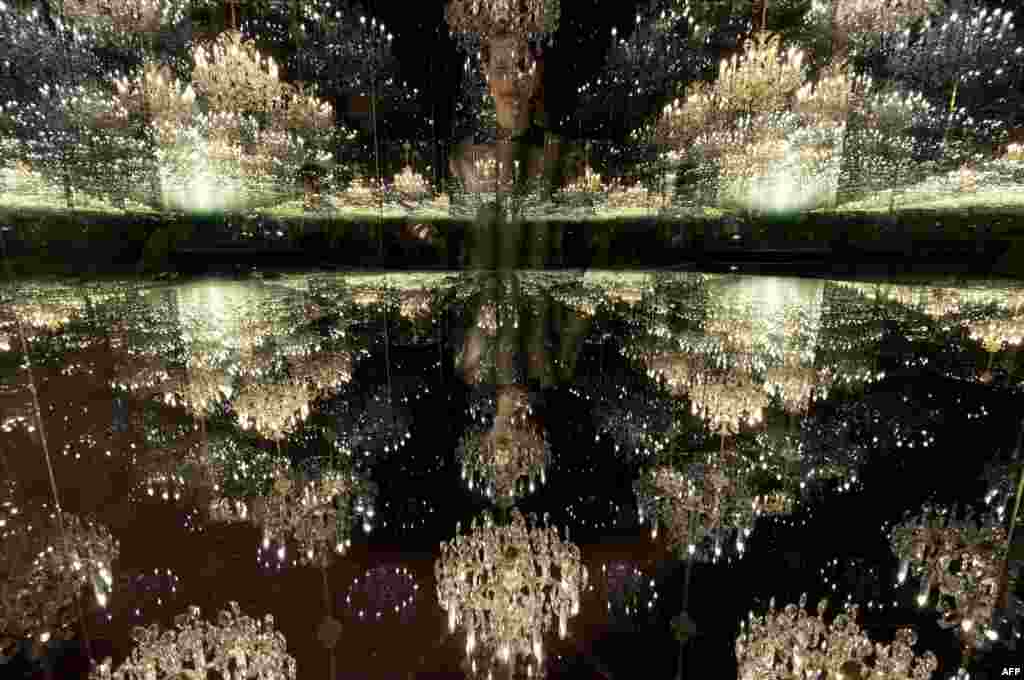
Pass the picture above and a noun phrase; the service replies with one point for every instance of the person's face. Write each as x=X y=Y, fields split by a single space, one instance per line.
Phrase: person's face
x=510 y=77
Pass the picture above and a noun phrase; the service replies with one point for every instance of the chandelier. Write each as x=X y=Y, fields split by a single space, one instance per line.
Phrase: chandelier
x=322 y=372
x=993 y=333
x=728 y=402
x=795 y=386
x=415 y=304
x=362 y=193
x=140 y=371
x=237 y=646
x=794 y=643
x=963 y=559
x=512 y=456
x=272 y=409
x=703 y=507
x=314 y=507
x=487 y=19
x=679 y=370
x=45 y=570
x=134 y=16
x=506 y=585
x=411 y=184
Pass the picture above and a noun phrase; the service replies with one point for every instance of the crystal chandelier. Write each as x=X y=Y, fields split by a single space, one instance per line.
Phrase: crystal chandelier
x=704 y=508
x=411 y=184
x=512 y=456
x=200 y=386
x=125 y=15
x=415 y=304
x=140 y=372
x=933 y=543
x=322 y=372
x=314 y=507
x=794 y=643
x=728 y=402
x=272 y=409
x=487 y=19
x=506 y=585
x=795 y=386
x=237 y=646
x=46 y=568
x=993 y=333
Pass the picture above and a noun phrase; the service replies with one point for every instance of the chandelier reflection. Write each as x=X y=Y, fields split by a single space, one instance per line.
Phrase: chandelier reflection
x=794 y=643
x=705 y=508
x=237 y=646
x=727 y=402
x=796 y=386
x=272 y=409
x=383 y=593
x=46 y=565
x=962 y=558
x=511 y=458
x=314 y=505
x=506 y=585
x=488 y=19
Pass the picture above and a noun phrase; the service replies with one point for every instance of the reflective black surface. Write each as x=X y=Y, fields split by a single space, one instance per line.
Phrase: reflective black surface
x=915 y=411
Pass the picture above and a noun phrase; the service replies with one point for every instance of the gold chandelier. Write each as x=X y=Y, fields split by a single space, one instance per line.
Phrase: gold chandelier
x=705 y=503
x=273 y=409
x=728 y=402
x=237 y=646
x=931 y=543
x=491 y=18
x=313 y=510
x=794 y=643
x=514 y=449
x=796 y=386
x=506 y=585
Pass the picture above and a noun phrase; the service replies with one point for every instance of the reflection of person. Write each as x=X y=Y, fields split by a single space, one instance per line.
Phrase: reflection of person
x=525 y=155
x=515 y=79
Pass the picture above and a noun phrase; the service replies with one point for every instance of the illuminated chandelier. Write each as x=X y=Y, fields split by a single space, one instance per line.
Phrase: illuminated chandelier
x=126 y=15
x=796 y=386
x=794 y=643
x=993 y=333
x=45 y=570
x=680 y=371
x=237 y=646
x=728 y=402
x=512 y=456
x=200 y=386
x=415 y=304
x=487 y=19
x=410 y=184
x=272 y=409
x=703 y=508
x=936 y=540
x=314 y=507
x=140 y=372
x=322 y=372
x=506 y=585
